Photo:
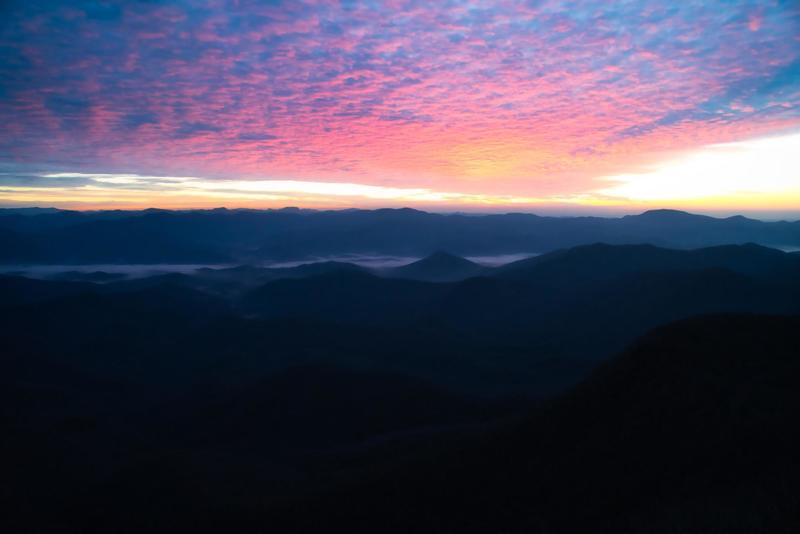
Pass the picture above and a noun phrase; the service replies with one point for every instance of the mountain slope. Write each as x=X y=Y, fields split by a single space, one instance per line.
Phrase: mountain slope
x=687 y=431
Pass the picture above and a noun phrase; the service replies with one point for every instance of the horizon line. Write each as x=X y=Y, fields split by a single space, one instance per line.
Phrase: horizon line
x=610 y=213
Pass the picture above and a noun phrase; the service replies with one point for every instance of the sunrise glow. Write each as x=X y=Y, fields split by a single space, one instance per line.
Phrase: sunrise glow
x=470 y=106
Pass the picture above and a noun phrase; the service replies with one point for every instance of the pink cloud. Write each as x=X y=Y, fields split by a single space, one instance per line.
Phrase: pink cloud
x=505 y=100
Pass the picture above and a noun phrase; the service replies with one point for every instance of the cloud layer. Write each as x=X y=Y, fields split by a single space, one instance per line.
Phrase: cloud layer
x=529 y=100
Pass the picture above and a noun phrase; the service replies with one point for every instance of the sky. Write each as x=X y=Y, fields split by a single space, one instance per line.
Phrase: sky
x=570 y=106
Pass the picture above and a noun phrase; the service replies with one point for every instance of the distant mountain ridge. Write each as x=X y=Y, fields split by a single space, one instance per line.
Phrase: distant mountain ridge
x=242 y=236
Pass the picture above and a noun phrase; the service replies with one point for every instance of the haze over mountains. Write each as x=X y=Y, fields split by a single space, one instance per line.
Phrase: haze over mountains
x=247 y=236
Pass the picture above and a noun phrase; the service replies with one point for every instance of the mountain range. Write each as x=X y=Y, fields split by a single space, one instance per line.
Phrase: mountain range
x=249 y=236
x=509 y=329
x=625 y=388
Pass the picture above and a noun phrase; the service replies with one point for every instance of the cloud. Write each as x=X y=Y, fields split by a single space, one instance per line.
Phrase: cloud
x=502 y=99
x=75 y=187
x=11 y=181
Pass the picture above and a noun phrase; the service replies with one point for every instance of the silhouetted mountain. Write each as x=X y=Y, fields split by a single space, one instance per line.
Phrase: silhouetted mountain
x=219 y=236
x=438 y=267
x=231 y=399
x=685 y=432
x=611 y=294
x=603 y=262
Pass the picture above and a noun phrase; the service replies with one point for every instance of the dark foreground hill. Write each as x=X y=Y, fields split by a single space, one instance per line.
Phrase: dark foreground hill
x=690 y=430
